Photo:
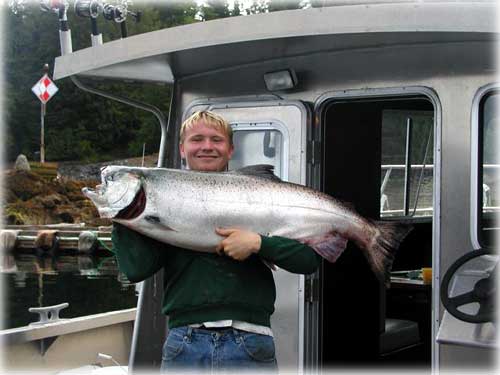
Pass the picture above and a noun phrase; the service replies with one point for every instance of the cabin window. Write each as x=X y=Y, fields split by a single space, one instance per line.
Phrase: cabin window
x=407 y=161
x=488 y=168
x=258 y=145
x=387 y=148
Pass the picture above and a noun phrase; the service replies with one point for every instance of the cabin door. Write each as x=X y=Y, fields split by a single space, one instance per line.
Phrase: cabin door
x=274 y=132
x=378 y=155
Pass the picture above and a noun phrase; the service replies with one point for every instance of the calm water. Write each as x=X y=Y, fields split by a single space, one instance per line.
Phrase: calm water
x=90 y=285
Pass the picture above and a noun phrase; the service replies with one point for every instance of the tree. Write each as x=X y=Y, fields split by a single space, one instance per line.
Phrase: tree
x=79 y=125
x=236 y=9
x=214 y=9
x=258 y=6
x=277 y=5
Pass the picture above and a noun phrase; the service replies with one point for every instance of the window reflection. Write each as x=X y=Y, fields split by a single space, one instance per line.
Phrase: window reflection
x=259 y=146
x=489 y=160
x=393 y=169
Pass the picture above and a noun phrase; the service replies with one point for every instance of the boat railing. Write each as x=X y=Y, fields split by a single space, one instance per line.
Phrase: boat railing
x=387 y=169
x=68 y=343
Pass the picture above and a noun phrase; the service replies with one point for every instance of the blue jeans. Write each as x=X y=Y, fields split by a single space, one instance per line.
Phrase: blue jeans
x=217 y=351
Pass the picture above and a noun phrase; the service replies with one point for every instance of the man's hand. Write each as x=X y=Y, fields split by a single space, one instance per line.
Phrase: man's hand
x=239 y=244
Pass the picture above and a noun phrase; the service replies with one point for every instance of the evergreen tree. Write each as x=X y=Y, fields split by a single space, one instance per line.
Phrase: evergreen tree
x=236 y=9
x=79 y=126
x=318 y=3
x=277 y=5
x=214 y=9
x=258 y=6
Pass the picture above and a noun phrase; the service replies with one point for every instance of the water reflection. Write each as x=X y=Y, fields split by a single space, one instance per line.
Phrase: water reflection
x=90 y=285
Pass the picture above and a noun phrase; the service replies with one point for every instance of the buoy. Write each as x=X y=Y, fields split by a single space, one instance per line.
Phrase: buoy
x=87 y=242
x=47 y=241
x=8 y=240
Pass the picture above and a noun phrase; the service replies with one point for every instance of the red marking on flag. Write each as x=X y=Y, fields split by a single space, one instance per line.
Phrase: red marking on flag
x=45 y=96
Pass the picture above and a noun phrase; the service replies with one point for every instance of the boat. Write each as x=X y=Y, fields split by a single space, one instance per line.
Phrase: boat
x=325 y=95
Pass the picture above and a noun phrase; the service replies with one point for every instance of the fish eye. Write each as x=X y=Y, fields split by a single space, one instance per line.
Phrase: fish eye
x=109 y=177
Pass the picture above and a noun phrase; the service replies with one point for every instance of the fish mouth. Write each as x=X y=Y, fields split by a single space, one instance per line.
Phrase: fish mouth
x=135 y=208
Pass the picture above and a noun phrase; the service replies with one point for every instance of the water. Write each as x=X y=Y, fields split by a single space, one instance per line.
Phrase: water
x=90 y=285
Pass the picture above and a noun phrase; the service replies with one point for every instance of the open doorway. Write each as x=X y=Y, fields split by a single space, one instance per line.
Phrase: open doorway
x=378 y=155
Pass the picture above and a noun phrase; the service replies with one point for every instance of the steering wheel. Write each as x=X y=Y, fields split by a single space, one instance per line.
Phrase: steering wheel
x=484 y=292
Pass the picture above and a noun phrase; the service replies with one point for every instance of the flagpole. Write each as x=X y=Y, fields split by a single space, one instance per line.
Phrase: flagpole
x=42 y=133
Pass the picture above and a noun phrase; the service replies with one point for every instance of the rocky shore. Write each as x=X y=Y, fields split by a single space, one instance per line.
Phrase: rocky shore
x=50 y=193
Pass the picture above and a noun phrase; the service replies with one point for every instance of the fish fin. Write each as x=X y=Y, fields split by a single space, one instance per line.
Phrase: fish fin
x=380 y=253
x=157 y=221
x=330 y=245
x=259 y=170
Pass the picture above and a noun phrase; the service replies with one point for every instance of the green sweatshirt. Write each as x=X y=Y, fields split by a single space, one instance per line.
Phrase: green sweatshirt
x=201 y=287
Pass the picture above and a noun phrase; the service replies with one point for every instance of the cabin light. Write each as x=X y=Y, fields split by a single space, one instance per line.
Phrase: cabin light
x=280 y=80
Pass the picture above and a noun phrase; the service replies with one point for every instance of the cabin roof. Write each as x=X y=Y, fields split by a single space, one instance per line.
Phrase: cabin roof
x=199 y=48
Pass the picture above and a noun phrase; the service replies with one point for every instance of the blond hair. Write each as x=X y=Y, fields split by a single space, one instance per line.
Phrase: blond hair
x=211 y=119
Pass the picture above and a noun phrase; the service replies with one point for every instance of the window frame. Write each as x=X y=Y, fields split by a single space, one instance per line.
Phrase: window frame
x=476 y=159
x=390 y=93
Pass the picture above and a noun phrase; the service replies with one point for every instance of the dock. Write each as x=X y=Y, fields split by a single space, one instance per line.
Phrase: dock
x=66 y=237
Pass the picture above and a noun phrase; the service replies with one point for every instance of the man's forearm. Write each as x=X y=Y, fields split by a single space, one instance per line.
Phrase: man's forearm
x=138 y=256
x=289 y=254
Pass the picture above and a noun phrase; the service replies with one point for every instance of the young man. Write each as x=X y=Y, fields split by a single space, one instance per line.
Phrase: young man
x=219 y=305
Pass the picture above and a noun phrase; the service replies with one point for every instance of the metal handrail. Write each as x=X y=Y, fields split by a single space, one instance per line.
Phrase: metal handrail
x=137 y=104
x=429 y=166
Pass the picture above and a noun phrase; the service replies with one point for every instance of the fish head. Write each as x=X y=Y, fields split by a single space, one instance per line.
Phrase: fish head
x=118 y=188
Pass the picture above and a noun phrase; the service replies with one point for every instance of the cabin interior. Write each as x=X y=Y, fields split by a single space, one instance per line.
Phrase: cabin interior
x=364 y=323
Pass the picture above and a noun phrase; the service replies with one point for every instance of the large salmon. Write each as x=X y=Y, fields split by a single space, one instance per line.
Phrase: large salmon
x=183 y=208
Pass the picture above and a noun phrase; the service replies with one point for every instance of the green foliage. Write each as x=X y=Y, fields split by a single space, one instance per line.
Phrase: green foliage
x=78 y=125
x=266 y=6
x=214 y=9
x=275 y=6
x=237 y=11
x=258 y=6
x=394 y=136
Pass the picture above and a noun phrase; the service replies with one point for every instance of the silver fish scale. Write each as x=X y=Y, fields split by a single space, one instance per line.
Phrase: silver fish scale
x=191 y=205
x=184 y=208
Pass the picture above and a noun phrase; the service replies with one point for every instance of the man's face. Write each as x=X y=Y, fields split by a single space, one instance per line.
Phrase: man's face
x=206 y=148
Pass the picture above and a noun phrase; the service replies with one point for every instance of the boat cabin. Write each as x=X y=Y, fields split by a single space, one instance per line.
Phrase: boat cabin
x=389 y=105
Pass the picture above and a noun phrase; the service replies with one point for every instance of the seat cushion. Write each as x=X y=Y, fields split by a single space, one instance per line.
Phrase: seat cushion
x=398 y=334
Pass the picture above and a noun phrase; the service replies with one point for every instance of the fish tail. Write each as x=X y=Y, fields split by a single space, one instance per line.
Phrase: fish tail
x=381 y=250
